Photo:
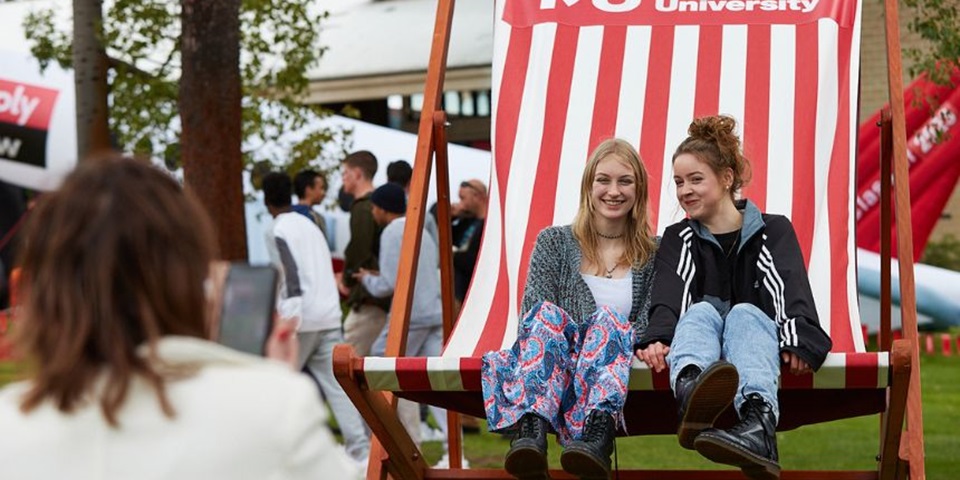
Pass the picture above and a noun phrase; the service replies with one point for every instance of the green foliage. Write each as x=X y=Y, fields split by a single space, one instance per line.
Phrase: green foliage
x=944 y=253
x=279 y=42
x=937 y=22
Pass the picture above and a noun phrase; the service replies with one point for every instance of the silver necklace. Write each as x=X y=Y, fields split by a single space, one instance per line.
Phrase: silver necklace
x=610 y=271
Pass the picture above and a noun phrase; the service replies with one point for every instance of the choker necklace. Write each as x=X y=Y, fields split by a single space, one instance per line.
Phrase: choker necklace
x=609 y=237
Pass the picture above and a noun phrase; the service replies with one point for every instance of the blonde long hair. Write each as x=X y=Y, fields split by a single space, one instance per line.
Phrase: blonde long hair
x=639 y=245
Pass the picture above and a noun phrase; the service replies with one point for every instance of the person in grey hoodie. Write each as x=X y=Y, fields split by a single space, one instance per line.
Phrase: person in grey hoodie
x=425 y=336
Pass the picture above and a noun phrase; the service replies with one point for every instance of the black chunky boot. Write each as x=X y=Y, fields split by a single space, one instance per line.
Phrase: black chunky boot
x=750 y=444
x=702 y=396
x=589 y=457
x=527 y=457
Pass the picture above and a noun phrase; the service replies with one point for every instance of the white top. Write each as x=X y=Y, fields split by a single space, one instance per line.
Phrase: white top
x=616 y=293
x=309 y=288
x=240 y=417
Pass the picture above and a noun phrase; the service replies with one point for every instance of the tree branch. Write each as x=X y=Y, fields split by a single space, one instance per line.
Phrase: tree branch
x=117 y=64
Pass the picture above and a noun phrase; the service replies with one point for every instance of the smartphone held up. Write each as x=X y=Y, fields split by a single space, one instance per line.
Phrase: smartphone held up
x=249 y=299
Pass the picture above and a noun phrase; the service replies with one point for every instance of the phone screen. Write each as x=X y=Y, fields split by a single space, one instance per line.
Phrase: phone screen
x=249 y=295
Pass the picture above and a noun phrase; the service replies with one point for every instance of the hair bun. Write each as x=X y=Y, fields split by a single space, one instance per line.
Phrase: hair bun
x=713 y=127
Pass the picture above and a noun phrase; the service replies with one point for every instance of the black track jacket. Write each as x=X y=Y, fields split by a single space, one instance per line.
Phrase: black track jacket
x=768 y=271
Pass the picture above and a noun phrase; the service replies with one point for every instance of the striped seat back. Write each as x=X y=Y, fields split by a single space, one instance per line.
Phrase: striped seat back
x=569 y=73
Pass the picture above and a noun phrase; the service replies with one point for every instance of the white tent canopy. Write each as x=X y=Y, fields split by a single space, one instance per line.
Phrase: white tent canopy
x=387 y=145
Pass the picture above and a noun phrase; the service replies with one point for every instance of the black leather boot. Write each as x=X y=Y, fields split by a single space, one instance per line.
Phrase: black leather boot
x=589 y=457
x=527 y=457
x=702 y=396
x=750 y=444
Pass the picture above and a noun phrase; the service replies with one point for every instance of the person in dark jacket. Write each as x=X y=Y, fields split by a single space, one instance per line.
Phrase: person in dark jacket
x=731 y=301
x=367 y=314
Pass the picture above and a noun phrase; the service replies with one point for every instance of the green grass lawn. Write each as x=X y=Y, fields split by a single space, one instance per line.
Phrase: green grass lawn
x=850 y=444
x=844 y=445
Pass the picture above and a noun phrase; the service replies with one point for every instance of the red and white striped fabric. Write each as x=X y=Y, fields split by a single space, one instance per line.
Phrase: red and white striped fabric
x=570 y=73
x=867 y=370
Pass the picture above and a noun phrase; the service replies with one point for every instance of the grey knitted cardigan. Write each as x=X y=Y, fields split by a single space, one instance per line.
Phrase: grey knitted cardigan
x=554 y=276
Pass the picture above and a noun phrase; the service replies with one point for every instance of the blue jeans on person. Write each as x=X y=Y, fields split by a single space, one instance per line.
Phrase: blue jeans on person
x=746 y=337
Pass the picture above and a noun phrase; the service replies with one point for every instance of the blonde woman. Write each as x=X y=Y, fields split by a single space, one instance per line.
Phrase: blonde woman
x=585 y=303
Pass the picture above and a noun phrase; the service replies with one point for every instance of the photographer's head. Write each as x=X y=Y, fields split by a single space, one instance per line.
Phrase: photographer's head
x=116 y=259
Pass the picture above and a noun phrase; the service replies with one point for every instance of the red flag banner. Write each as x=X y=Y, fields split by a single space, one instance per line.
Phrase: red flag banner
x=933 y=148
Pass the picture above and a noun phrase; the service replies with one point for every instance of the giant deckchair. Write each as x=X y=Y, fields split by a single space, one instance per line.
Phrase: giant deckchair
x=569 y=73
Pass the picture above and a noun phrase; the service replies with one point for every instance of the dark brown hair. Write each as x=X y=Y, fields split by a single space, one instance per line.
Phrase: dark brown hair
x=114 y=260
x=714 y=141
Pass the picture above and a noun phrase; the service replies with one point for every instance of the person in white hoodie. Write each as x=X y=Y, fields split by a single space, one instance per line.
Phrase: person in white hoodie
x=309 y=293
x=111 y=327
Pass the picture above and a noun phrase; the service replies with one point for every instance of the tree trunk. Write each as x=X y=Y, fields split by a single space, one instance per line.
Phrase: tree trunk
x=90 y=77
x=210 y=115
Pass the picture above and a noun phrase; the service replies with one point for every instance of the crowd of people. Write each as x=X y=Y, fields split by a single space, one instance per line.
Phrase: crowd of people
x=124 y=382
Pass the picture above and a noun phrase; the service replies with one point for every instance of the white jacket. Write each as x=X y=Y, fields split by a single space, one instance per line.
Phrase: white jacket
x=309 y=288
x=239 y=417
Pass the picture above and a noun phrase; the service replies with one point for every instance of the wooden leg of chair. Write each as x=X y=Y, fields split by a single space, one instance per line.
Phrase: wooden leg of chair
x=892 y=430
x=378 y=457
x=454 y=440
x=903 y=466
x=379 y=410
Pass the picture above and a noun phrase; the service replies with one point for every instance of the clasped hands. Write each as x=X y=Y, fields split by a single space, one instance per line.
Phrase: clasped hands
x=655 y=356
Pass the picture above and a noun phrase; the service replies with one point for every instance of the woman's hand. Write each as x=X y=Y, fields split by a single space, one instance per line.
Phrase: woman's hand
x=654 y=356
x=282 y=345
x=797 y=365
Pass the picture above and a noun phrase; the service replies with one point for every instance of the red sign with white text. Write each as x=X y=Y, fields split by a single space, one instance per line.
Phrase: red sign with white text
x=25 y=112
x=524 y=13
x=26 y=105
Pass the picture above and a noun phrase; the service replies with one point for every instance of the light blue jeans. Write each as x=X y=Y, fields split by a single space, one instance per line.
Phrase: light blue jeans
x=316 y=352
x=747 y=338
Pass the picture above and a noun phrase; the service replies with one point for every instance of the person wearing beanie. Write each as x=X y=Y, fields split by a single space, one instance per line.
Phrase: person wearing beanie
x=425 y=337
x=389 y=198
x=400 y=172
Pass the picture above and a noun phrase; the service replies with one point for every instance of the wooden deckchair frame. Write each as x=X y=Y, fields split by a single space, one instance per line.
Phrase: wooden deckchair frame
x=393 y=452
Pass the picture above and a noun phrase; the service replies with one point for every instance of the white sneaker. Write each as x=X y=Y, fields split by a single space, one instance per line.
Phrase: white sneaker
x=445 y=461
x=430 y=434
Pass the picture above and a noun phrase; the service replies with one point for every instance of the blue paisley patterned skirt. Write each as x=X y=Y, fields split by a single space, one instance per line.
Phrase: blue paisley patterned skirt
x=560 y=370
